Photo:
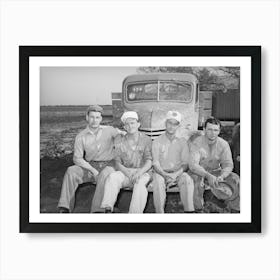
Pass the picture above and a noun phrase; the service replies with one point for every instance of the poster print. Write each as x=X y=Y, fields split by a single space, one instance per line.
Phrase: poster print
x=125 y=133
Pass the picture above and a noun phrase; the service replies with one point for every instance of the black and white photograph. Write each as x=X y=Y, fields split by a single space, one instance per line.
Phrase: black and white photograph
x=126 y=137
x=140 y=139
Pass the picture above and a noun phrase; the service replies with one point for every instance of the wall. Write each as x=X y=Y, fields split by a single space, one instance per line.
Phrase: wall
x=138 y=256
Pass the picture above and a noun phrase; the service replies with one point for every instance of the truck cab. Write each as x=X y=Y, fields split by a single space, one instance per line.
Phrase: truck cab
x=153 y=95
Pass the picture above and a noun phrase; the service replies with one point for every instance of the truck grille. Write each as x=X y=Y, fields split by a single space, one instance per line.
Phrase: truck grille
x=152 y=132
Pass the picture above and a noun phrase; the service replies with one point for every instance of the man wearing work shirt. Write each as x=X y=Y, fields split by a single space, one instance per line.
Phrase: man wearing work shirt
x=211 y=160
x=170 y=161
x=133 y=161
x=93 y=160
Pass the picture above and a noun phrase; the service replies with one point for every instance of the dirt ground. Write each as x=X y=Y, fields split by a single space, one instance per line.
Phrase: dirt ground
x=52 y=172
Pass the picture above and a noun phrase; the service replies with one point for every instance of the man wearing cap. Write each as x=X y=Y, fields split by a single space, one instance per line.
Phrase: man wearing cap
x=211 y=162
x=93 y=160
x=133 y=161
x=170 y=161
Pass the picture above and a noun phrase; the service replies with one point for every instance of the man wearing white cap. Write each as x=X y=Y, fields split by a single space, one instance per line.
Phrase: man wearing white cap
x=133 y=158
x=93 y=160
x=170 y=161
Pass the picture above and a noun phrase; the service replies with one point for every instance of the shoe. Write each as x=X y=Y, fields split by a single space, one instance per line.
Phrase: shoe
x=116 y=210
x=63 y=210
x=108 y=210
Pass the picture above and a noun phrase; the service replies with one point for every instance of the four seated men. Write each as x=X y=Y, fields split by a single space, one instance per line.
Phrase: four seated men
x=115 y=160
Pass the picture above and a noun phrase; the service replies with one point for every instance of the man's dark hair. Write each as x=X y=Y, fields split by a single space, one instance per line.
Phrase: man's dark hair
x=94 y=108
x=212 y=120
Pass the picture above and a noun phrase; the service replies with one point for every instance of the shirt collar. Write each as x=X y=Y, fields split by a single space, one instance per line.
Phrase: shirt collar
x=88 y=130
x=175 y=138
x=139 y=135
x=207 y=142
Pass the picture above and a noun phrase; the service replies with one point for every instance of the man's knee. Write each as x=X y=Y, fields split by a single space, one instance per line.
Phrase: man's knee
x=74 y=171
x=198 y=188
x=158 y=179
x=158 y=182
x=144 y=179
x=142 y=182
x=186 y=180
x=115 y=177
x=140 y=187
x=105 y=173
x=107 y=170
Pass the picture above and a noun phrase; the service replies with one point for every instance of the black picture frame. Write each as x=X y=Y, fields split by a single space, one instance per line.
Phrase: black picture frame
x=254 y=52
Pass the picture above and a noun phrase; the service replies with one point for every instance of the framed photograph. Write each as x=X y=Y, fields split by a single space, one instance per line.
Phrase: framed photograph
x=140 y=139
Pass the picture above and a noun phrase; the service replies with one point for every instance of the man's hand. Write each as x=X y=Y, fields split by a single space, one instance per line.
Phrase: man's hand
x=212 y=180
x=173 y=176
x=179 y=172
x=136 y=176
x=94 y=173
x=170 y=183
x=171 y=179
x=129 y=173
x=220 y=179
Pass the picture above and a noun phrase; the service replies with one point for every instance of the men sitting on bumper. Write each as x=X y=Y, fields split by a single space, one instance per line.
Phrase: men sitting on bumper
x=133 y=161
x=93 y=159
x=170 y=161
x=211 y=160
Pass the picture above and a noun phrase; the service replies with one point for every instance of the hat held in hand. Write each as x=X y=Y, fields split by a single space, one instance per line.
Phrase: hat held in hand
x=224 y=191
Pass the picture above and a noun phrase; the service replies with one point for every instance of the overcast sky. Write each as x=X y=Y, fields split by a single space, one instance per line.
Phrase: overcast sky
x=81 y=85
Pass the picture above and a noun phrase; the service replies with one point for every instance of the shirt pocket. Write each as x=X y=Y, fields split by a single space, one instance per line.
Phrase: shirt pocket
x=125 y=156
x=140 y=151
x=203 y=154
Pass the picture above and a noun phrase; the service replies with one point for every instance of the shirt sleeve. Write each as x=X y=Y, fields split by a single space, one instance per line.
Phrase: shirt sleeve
x=148 y=150
x=185 y=156
x=226 y=158
x=117 y=150
x=78 y=157
x=155 y=151
x=194 y=165
x=115 y=132
x=78 y=149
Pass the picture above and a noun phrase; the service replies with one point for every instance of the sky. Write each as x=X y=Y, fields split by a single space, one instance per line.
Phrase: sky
x=81 y=85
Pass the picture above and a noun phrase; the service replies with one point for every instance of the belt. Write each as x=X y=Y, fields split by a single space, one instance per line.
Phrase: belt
x=101 y=164
x=100 y=161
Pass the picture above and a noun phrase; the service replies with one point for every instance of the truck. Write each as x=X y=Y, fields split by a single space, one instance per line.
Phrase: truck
x=152 y=95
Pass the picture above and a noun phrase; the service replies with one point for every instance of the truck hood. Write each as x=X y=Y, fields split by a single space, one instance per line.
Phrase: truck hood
x=152 y=116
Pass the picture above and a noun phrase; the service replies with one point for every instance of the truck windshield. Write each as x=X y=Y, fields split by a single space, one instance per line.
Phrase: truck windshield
x=159 y=91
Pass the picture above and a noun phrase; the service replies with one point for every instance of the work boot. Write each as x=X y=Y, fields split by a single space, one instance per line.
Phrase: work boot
x=108 y=210
x=63 y=210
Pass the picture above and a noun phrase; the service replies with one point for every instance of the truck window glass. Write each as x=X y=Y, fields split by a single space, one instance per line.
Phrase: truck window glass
x=175 y=92
x=142 y=92
x=168 y=91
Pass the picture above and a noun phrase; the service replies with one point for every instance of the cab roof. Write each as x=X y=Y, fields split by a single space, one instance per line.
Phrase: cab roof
x=160 y=76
